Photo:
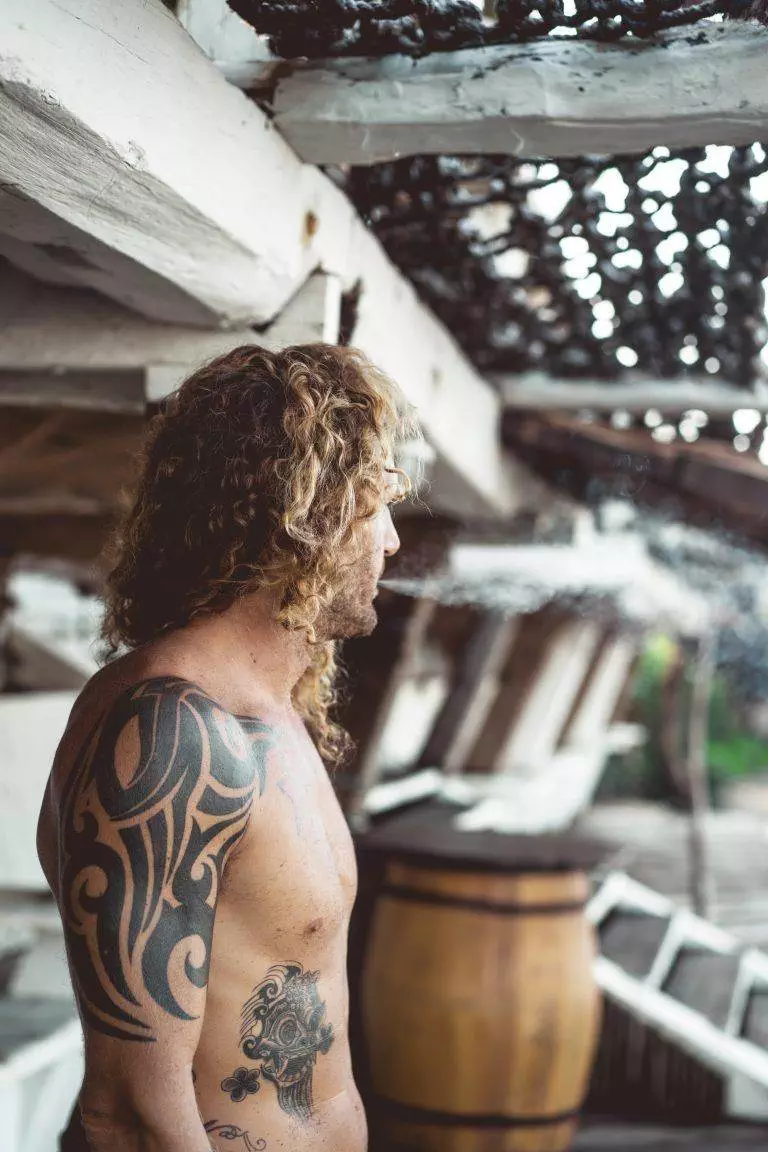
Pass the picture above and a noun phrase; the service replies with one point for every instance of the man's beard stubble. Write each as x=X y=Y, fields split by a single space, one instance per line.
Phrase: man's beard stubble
x=351 y=613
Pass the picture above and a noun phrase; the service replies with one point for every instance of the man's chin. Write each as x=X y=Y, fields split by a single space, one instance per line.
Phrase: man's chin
x=350 y=626
x=363 y=625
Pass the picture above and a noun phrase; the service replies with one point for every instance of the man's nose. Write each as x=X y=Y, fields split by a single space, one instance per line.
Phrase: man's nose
x=391 y=539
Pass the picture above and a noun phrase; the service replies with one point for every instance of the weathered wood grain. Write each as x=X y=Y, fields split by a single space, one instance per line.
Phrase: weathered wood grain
x=553 y=97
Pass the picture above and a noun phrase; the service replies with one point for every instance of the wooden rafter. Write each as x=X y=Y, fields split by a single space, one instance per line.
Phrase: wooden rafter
x=535 y=391
x=46 y=329
x=204 y=215
x=548 y=98
x=122 y=391
x=707 y=483
x=58 y=534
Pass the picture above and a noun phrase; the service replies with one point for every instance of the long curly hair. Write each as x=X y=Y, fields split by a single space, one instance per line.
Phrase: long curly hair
x=257 y=474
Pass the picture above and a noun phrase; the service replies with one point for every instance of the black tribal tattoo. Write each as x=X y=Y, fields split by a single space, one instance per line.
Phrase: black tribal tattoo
x=162 y=796
x=283 y=1027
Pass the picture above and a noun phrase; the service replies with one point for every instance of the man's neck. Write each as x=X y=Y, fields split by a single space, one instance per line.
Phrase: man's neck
x=251 y=648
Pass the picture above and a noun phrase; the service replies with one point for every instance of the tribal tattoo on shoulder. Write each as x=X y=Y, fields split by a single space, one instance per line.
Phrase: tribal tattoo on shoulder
x=283 y=1029
x=160 y=799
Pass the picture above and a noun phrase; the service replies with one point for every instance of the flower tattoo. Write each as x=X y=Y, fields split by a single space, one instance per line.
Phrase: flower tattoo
x=243 y=1082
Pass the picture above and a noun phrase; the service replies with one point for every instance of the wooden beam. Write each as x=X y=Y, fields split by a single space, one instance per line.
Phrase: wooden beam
x=52 y=503
x=312 y=316
x=77 y=349
x=234 y=47
x=534 y=736
x=588 y=730
x=471 y=698
x=210 y=202
x=697 y=766
x=534 y=635
x=535 y=391
x=705 y=482
x=58 y=252
x=369 y=766
x=393 y=794
x=205 y=199
x=73 y=537
x=101 y=391
x=45 y=329
x=49 y=329
x=547 y=98
x=46 y=663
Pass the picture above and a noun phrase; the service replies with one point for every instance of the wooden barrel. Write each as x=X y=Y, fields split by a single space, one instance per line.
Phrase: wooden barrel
x=480 y=1009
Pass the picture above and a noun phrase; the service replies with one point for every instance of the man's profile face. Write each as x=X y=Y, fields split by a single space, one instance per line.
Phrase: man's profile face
x=352 y=612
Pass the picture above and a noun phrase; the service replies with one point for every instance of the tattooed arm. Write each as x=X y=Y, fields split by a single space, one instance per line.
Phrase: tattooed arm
x=158 y=800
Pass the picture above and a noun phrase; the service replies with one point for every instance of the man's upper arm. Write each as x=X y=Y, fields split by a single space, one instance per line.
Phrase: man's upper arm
x=160 y=796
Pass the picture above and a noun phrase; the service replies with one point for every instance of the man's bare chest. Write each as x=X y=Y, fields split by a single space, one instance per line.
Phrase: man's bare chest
x=296 y=864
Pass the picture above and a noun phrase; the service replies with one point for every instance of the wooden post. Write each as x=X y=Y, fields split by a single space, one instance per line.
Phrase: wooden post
x=672 y=724
x=369 y=766
x=536 y=731
x=476 y=686
x=698 y=726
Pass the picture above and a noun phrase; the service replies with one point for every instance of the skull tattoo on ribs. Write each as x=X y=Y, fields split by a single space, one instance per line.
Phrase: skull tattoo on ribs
x=284 y=1029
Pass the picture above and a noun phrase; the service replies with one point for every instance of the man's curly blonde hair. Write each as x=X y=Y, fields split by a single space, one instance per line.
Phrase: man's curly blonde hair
x=258 y=474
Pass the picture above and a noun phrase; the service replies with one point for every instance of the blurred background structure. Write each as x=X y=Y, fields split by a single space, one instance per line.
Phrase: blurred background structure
x=547 y=221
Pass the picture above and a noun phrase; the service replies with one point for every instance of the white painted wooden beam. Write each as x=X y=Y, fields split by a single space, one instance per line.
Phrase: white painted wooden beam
x=312 y=316
x=722 y=1049
x=370 y=765
x=548 y=98
x=58 y=252
x=80 y=350
x=589 y=731
x=73 y=347
x=53 y=1066
x=204 y=215
x=206 y=199
x=47 y=329
x=691 y=1031
x=234 y=47
x=533 y=737
x=635 y=394
x=474 y=690
x=407 y=790
x=604 y=689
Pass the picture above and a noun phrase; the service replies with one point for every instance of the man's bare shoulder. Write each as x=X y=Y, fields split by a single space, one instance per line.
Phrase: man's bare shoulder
x=159 y=730
x=156 y=799
x=152 y=703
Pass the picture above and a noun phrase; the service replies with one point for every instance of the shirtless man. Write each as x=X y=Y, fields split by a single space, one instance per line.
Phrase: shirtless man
x=190 y=832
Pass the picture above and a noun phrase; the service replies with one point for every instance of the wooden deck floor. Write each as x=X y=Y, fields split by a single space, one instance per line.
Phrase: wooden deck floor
x=650 y=843
x=655 y=1138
